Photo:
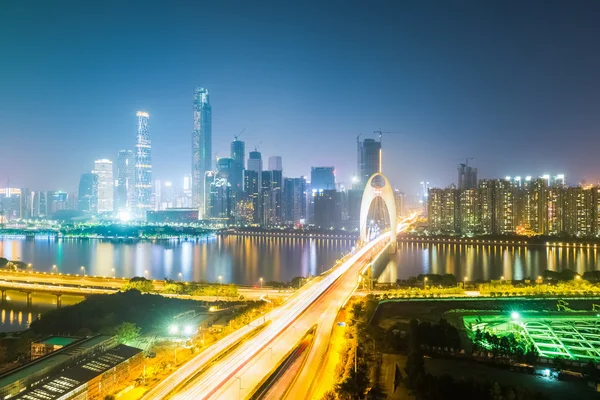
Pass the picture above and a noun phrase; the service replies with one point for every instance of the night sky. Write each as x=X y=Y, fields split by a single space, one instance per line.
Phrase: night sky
x=515 y=85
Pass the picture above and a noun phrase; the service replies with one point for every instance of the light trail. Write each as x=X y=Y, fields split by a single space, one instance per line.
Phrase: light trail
x=216 y=377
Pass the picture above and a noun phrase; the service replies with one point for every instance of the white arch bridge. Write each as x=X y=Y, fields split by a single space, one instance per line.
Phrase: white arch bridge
x=378 y=186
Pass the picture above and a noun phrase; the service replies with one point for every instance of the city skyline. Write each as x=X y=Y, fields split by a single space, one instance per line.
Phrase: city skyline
x=457 y=99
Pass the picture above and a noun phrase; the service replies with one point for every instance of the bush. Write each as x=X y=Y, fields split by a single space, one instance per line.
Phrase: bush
x=139 y=283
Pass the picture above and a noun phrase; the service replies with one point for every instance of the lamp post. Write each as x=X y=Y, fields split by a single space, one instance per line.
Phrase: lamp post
x=83 y=269
x=55 y=268
x=261 y=281
x=465 y=282
x=220 y=278
x=180 y=277
x=114 y=273
x=425 y=283
x=146 y=274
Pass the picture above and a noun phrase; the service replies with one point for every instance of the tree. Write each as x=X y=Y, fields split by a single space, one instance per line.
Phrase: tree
x=127 y=332
x=329 y=395
x=353 y=387
x=139 y=283
x=376 y=393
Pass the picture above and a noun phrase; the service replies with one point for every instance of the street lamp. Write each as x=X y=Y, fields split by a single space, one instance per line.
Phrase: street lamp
x=539 y=279
x=502 y=278
x=55 y=268
x=180 y=277
x=261 y=281
x=465 y=282
x=113 y=272
x=220 y=278
x=425 y=282
x=83 y=269
x=146 y=274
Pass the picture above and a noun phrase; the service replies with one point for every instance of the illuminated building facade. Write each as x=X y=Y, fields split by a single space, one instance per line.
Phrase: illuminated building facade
x=143 y=167
x=104 y=171
x=539 y=206
x=201 y=145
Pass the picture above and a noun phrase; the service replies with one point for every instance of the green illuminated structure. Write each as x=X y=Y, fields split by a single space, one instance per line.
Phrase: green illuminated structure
x=573 y=336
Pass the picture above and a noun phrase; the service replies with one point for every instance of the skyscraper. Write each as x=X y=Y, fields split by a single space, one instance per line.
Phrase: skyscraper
x=275 y=163
x=467 y=176
x=253 y=183
x=238 y=155
x=87 y=198
x=294 y=200
x=104 y=171
x=125 y=190
x=143 y=167
x=322 y=178
x=370 y=159
x=201 y=145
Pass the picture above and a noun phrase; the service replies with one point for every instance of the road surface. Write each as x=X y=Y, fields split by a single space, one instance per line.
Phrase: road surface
x=237 y=374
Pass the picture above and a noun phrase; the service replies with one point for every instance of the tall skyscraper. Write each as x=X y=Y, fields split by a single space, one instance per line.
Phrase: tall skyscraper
x=26 y=203
x=238 y=155
x=294 y=200
x=253 y=183
x=328 y=210
x=467 y=176
x=201 y=145
x=370 y=159
x=143 y=167
x=322 y=178
x=87 y=198
x=104 y=171
x=275 y=163
x=125 y=190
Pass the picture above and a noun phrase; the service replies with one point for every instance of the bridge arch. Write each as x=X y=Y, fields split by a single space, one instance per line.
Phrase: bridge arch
x=377 y=186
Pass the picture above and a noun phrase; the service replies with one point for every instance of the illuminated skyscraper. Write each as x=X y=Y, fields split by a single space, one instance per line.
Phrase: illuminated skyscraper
x=125 y=190
x=104 y=170
x=143 y=167
x=201 y=145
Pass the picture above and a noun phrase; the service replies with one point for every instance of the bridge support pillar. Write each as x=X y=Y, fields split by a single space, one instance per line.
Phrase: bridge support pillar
x=393 y=247
x=3 y=296
x=58 y=300
x=29 y=298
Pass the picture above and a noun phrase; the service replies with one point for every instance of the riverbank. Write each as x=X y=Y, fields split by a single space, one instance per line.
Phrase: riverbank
x=505 y=240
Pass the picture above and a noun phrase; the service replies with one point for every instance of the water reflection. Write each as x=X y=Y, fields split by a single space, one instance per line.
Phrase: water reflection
x=485 y=261
x=242 y=260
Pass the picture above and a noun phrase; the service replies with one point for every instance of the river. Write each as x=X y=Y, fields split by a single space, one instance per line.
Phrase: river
x=237 y=259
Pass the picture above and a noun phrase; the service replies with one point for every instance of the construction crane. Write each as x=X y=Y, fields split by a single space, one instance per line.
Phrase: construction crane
x=256 y=148
x=381 y=133
x=239 y=134
x=467 y=160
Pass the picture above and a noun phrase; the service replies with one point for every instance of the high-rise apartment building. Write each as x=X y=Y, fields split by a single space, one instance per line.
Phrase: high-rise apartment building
x=143 y=167
x=201 y=145
x=104 y=171
x=125 y=185
x=87 y=196
x=328 y=210
x=467 y=176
